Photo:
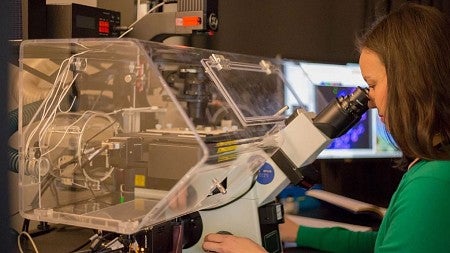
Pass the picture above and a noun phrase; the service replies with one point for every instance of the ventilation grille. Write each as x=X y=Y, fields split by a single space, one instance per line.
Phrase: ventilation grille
x=191 y=5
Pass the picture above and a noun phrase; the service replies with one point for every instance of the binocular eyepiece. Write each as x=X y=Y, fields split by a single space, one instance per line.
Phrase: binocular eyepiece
x=342 y=113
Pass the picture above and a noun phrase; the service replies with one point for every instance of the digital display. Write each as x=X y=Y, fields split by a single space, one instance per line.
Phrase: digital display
x=103 y=26
x=85 y=22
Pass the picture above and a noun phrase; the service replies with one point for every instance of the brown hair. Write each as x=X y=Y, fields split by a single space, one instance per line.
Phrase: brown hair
x=413 y=42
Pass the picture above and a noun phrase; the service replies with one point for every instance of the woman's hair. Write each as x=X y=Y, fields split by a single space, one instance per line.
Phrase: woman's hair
x=413 y=42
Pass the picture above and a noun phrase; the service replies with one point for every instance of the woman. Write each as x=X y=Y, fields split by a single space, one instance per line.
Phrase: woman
x=405 y=60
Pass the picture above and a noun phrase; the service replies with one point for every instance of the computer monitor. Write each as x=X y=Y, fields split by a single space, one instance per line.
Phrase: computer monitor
x=316 y=85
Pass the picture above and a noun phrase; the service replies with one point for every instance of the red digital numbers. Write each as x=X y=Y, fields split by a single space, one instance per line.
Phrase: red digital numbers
x=103 y=26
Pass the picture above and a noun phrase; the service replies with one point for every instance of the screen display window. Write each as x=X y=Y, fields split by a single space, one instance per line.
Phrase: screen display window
x=85 y=22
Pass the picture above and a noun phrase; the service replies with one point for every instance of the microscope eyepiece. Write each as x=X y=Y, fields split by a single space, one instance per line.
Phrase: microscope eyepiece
x=342 y=113
x=355 y=103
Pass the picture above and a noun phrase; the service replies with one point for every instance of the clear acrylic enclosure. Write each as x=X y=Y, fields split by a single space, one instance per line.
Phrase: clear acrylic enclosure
x=120 y=135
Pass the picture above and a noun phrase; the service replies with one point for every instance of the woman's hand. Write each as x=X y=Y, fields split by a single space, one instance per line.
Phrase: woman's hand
x=288 y=230
x=223 y=243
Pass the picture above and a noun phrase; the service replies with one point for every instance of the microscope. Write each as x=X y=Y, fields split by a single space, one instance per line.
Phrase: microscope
x=154 y=146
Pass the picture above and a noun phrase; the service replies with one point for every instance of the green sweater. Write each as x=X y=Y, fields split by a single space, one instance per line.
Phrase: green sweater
x=417 y=219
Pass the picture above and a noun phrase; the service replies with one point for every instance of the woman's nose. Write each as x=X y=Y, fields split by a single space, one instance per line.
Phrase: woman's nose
x=371 y=102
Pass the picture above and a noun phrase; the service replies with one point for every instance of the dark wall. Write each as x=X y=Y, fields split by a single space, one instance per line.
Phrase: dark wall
x=315 y=30
x=310 y=30
x=442 y=5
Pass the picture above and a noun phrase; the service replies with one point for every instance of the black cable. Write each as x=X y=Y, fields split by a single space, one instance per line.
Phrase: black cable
x=235 y=199
x=81 y=246
x=107 y=249
x=25 y=225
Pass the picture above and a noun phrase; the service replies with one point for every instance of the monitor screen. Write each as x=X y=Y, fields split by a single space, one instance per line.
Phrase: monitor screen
x=316 y=85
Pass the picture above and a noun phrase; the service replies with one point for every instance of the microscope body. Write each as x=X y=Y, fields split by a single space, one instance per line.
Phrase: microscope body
x=160 y=145
x=256 y=215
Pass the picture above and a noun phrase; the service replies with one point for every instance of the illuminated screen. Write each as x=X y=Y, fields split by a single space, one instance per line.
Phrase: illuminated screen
x=316 y=85
x=103 y=26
